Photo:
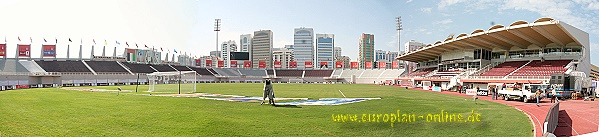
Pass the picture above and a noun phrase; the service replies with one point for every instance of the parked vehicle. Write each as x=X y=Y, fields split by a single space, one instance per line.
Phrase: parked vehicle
x=523 y=92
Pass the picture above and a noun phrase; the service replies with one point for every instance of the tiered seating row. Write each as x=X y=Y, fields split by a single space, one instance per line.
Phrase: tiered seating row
x=318 y=73
x=545 y=68
x=106 y=66
x=289 y=73
x=420 y=72
x=504 y=68
x=63 y=66
x=139 y=68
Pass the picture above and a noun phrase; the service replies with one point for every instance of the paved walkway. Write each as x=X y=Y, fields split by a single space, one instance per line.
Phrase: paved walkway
x=576 y=117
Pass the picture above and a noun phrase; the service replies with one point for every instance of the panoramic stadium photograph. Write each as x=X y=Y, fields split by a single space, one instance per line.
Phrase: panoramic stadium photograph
x=340 y=68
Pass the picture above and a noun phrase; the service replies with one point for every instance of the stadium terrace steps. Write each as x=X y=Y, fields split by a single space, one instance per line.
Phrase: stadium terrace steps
x=106 y=66
x=163 y=68
x=181 y=68
x=213 y=72
x=290 y=73
x=349 y=73
x=30 y=66
x=139 y=68
x=63 y=66
x=545 y=68
x=227 y=72
x=124 y=67
x=202 y=71
x=318 y=73
x=420 y=72
x=253 y=72
x=504 y=68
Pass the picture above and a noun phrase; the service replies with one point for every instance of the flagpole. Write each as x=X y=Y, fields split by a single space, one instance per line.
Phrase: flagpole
x=91 y=56
x=81 y=49
x=104 y=49
x=114 y=52
x=68 y=49
x=42 y=51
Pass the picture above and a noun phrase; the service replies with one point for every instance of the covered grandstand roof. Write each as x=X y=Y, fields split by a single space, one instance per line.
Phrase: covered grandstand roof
x=519 y=35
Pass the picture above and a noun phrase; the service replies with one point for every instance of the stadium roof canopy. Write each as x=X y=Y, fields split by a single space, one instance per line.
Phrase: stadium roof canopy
x=519 y=35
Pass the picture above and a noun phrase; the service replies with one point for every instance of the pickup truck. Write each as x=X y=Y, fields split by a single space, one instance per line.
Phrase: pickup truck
x=526 y=94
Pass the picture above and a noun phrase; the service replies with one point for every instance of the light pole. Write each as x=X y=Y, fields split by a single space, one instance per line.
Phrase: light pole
x=217 y=29
x=399 y=28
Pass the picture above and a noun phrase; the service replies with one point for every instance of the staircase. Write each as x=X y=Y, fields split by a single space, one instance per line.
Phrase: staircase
x=125 y=67
x=88 y=67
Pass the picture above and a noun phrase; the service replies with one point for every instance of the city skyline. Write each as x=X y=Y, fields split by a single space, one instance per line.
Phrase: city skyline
x=189 y=24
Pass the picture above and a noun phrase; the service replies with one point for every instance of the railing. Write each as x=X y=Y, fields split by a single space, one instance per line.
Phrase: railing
x=551 y=120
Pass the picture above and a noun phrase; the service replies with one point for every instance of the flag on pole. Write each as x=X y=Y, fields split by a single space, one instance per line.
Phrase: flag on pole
x=56 y=40
x=45 y=40
x=105 y=43
x=146 y=45
x=136 y=45
x=94 y=41
x=161 y=49
x=70 y=40
x=19 y=37
x=127 y=43
x=175 y=50
x=118 y=43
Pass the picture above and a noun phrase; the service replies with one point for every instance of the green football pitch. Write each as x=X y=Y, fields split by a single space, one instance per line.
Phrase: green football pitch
x=60 y=112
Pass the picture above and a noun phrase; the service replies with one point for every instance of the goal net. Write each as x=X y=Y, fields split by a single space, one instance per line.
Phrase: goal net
x=172 y=82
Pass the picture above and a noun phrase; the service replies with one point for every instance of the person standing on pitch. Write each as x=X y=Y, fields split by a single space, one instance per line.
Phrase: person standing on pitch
x=268 y=92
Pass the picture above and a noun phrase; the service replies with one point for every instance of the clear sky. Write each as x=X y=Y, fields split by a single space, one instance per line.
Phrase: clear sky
x=187 y=25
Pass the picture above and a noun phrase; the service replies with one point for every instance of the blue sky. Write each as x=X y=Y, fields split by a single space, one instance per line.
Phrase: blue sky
x=187 y=25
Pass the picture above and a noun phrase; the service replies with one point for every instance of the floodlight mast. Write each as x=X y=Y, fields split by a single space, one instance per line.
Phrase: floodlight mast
x=217 y=29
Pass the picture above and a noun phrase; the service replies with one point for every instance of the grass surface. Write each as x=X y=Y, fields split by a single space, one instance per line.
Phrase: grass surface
x=58 y=112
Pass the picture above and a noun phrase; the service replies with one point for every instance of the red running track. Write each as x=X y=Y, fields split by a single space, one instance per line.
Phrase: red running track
x=576 y=117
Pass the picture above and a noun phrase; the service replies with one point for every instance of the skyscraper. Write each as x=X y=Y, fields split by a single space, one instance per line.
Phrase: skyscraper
x=284 y=55
x=303 y=46
x=380 y=55
x=245 y=42
x=409 y=47
x=324 y=50
x=366 y=51
x=227 y=48
x=337 y=52
x=261 y=48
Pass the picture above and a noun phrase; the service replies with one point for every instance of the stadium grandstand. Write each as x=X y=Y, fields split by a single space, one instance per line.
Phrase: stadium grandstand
x=99 y=71
x=521 y=52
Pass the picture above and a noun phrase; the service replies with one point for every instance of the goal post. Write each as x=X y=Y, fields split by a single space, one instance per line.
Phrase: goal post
x=172 y=82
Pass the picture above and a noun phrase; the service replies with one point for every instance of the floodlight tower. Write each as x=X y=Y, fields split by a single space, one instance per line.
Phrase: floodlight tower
x=398 y=28
x=217 y=29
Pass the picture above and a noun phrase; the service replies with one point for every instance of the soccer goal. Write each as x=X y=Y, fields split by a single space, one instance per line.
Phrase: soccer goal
x=172 y=82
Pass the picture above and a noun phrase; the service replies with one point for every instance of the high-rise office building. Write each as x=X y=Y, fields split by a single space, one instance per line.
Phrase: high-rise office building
x=366 y=49
x=337 y=52
x=391 y=55
x=410 y=47
x=325 y=44
x=261 y=48
x=227 y=48
x=215 y=53
x=345 y=59
x=380 y=55
x=245 y=42
x=303 y=46
x=284 y=55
